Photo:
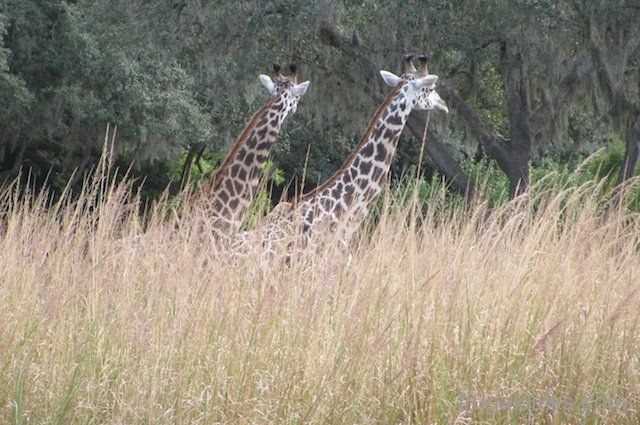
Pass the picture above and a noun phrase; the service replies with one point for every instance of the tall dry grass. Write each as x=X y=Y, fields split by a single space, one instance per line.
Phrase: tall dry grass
x=455 y=315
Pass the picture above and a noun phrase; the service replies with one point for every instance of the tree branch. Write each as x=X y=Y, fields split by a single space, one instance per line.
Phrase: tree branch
x=447 y=165
x=632 y=151
x=488 y=141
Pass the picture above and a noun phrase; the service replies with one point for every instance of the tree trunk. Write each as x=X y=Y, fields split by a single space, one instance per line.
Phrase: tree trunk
x=519 y=114
x=186 y=167
x=487 y=140
x=632 y=151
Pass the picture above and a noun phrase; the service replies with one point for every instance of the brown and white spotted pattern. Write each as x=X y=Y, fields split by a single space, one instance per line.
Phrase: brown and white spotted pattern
x=224 y=199
x=344 y=201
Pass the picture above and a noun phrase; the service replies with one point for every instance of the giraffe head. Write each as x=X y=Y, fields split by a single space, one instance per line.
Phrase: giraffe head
x=418 y=85
x=287 y=88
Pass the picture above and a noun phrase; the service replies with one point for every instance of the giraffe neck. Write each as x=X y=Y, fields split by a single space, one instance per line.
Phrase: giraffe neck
x=228 y=193
x=354 y=188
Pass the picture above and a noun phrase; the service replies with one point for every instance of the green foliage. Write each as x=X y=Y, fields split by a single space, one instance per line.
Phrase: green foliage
x=605 y=164
x=493 y=181
x=263 y=203
x=173 y=76
x=260 y=206
x=203 y=165
x=73 y=80
x=546 y=174
x=276 y=174
x=14 y=96
x=490 y=100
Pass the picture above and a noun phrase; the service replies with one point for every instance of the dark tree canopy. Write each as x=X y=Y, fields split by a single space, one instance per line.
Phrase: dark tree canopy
x=526 y=80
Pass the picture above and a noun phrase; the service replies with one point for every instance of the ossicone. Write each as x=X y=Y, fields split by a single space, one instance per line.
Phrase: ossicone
x=408 y=64
x=422 y=68
x=276 y=70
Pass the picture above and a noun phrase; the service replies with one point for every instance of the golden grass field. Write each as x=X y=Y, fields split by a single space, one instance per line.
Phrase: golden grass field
x=526 y=313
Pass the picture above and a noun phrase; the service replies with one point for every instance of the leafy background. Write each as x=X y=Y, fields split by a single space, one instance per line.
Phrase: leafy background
x=179 y=80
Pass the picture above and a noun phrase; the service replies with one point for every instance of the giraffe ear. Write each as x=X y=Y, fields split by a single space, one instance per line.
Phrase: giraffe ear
x=266 y=81
x=390 y=78
x=300 y=89
x=429 y=80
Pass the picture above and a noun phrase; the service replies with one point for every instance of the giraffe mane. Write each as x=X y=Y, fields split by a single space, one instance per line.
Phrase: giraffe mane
x=217 y=175
x=347 y=163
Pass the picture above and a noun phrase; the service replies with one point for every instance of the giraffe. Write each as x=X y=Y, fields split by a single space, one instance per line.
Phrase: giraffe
x=223 y=200
x=345 y=199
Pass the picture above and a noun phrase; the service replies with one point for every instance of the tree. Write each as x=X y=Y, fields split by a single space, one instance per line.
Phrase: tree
x=614 y=46
x=67 y=81
x=525 y=79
